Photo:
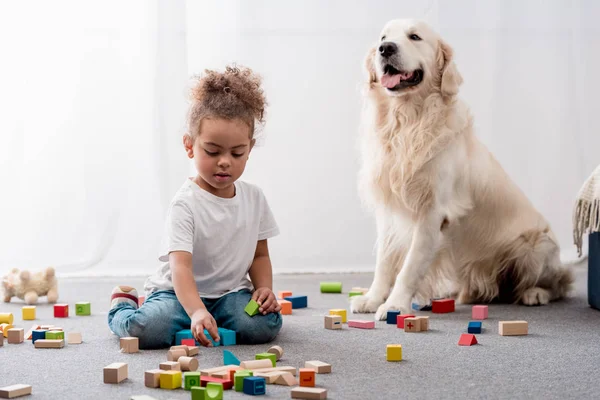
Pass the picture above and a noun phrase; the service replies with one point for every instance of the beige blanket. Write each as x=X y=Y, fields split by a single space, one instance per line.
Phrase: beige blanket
x=586 y=216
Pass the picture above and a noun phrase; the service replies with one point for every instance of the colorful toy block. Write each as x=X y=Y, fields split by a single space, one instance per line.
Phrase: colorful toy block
x=412 y=324
x=188 y=342
x=479 y=312
x=38 y=334
x=286 y=307
x=277 y=350
x=215 y=344
x=419 y=307
x=392 y=317
x=474 y=327
x=212 y=391
x=227 y=337
x=394 y=352
x=331 y=287
x=4 y=328
x=12 y=391
x=283 y=294
x=238 y=378
x=74 y=338
x=6 y=318
x=16 y=335
x=204 y=380
x=28 y=313
x=353 y=293
x=170 y=380
x=319 y=366
x=298 y=301
x=191 y=378
x=152 y=378
x=229 y=358
x=309 y=393
x=341 y=312
x=307 y=377
x=252 y=308
x=467 y=339
x=400 y=320
x=61 y=311
x=114 y=373
x=83 y=308
x=354 y=323
x=442 y=306
x=183 y=334
x=267 y=356
x=49 y=344
x=513 y=328
x=333 y=322
x=130 y=345
x=55 y=335
x=29 y=333
x=254 y=385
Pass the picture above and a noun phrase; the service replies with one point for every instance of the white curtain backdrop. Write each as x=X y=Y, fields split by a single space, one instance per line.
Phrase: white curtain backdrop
x=93 y=100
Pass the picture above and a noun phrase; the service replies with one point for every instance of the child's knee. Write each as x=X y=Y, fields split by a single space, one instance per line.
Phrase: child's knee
x=259 y=329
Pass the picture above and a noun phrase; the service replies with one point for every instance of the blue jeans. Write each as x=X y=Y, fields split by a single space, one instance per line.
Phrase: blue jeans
x=161 y=316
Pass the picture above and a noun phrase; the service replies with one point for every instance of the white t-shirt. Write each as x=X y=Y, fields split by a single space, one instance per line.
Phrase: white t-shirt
x=220 y=233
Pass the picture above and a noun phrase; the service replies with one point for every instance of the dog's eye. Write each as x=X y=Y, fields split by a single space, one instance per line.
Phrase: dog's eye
x=383 y=38
x=414 y=36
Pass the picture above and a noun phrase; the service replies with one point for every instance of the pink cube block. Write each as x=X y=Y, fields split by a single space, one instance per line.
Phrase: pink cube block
x=479 y=312
x=361 y=324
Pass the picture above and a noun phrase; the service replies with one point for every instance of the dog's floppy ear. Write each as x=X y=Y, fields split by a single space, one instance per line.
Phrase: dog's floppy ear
x=370 y=65
x=451 y=79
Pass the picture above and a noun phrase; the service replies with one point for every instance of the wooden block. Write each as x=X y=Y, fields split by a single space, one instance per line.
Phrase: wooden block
x=467 y=339
x=28 y=313
x=225 y=374
x=355 y=323
x=174 y=355
x=152 y=378
x=479 y=312
x=56 y=328
x=188 y=363
x=16 y=335
x=333 y=322
x=255 y=364
x=209 y=371
x=113 y=373
x=424 y=321
x=513 y=328
x=270 y=377
x=170 y=379
x=181 y=347
x=130 y=345
x=400 y=320
x=286 y=307
x=309 y=393
x=319 y=366
x=307 y=377
x=284 y=294
x=29 y=333
x=12 y=391
x=394 y=352
x=341 y=312
x=170 y=366
x=277 y=350
x=74 y=338
x=83 y=308
x=286 y=379
x=442 y=306
x=46 y=327
x=61 y=311
x=289 y=369
x=193 y=351
x=49 y=343
x=1 y=340
x=412 y=325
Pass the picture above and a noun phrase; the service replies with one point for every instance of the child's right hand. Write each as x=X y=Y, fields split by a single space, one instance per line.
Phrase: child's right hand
x=202 y=320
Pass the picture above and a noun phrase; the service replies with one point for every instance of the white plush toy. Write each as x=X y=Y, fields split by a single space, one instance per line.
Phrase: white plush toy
x=29 y=287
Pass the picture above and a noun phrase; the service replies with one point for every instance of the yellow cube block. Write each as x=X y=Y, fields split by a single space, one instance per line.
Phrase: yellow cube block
x=28 y=313
x=170 y=379
x=394 y=352
x=341 y=312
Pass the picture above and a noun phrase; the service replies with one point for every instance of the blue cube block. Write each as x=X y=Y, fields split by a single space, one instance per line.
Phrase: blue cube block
x=474 y=327
x=254 y=385
x=215 y=344
x=227 y=337
x=392 y=317
x=38 y=334
x=184 y=334
x=298 y=301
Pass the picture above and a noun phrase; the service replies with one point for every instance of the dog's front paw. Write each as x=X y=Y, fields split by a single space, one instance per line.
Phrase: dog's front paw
x=382 y=311
x=365 y=304
x=536 y=296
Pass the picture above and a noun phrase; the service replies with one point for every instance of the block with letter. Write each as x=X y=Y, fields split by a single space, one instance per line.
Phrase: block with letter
x=83 y=308
x=333 y=322
x=238 y=378
x=191 y=378
x=306 y=377
x=255 y=385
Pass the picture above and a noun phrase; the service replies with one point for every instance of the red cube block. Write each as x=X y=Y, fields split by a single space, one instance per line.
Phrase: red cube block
x=61 y=310
x=479 y=312
x=188 y=342
x=227 y=384
x=307 y=377
x=442 y=306
x=467 y=339
x=400 y=320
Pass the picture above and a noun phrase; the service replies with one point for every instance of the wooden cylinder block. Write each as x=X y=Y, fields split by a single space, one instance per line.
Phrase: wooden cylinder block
x=277 y=350
x=188 y=363
x=173 y=355
x=255 y=364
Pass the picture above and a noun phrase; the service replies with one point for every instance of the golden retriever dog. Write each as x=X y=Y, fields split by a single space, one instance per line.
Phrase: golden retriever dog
x=450 y=222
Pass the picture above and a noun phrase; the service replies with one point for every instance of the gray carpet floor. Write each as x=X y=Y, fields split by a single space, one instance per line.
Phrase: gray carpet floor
x=559 y=359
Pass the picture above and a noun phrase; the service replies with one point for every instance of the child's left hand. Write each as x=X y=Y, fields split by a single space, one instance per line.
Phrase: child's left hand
x=266 y=300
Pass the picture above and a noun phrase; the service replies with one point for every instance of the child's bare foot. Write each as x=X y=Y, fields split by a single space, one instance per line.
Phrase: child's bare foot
x=124 y=294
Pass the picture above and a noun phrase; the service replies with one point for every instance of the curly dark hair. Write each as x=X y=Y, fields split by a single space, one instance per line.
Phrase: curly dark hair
x=235 y=93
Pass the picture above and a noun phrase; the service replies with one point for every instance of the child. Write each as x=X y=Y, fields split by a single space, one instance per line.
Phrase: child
x=215 y=243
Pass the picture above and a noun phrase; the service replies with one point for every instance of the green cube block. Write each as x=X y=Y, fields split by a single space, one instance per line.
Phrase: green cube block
x=238 y=379
x=55 y=335
x=355 y=293
x=252 y=308
x=270 y=356
x=191 y=379
x=212 y=391
x=331 y=287
x=83 y=308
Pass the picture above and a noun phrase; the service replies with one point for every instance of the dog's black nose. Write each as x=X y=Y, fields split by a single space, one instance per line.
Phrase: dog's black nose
x=387 y=49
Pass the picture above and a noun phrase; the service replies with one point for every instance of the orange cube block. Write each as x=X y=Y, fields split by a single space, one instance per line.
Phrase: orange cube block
x=307 y=377
x=283 y=294
x=286 y=307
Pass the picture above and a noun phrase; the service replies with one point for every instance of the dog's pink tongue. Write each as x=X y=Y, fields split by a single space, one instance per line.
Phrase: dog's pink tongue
x=389 y=81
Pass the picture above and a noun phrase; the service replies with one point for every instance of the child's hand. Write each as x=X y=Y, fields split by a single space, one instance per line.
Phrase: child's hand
x=266 y=300
x=201 y=320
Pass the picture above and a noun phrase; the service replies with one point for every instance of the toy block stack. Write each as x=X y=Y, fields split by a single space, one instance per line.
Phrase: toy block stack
x=400 y=320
